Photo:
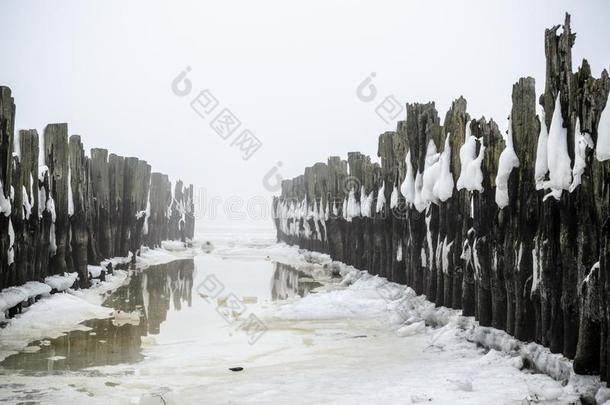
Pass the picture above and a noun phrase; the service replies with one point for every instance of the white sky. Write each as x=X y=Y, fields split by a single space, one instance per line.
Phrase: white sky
x=288 y=71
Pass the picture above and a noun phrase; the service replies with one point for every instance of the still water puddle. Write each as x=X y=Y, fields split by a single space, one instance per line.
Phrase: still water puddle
x=150 y=299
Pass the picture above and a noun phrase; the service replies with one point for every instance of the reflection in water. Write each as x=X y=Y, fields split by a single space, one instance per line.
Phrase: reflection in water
x=153 y=293
x=289 y=282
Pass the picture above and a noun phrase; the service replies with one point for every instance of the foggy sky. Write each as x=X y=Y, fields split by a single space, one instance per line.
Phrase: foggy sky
x=288 y=71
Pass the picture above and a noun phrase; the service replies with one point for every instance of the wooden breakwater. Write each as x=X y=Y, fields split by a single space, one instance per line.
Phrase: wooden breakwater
x=512 y=228
x=73 y=210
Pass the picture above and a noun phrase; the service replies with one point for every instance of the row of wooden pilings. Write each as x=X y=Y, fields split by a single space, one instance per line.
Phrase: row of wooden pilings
x=71 y=210
x=502 y=236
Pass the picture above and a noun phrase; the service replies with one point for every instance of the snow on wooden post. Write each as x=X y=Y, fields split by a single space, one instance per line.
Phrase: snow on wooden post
x=56 y=159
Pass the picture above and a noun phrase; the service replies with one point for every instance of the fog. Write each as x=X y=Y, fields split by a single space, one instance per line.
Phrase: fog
x=288 y=72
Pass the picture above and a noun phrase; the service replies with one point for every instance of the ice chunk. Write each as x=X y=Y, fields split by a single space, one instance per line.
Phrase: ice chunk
x=11 y=296
x=61 y=282
x=412 y=329
x=94 y=271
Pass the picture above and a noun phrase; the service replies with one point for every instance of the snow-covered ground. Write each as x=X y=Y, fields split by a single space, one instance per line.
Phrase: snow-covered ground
x=356 y=339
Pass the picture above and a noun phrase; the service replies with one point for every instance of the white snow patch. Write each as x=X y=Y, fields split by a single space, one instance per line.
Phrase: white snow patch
x=602 y=149
x=431 y=175
x=394 y=197
x=443 y=188
x=11 y=243
x=419 y=203
x=473 y=180
x=11 y=296
x=581 y=142
x=380 y=199
x=542 y=164
x=61 y=282
x=407 y=188
x=508 y=161
x=27 y=203
x=468 y=153
x=560 y=171
x=70 y=194
x=5 y=202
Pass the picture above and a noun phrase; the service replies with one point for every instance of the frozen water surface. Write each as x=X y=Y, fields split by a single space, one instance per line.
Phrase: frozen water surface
x=302 y=333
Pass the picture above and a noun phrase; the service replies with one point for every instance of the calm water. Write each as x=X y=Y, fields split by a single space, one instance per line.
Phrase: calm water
x=148 y=300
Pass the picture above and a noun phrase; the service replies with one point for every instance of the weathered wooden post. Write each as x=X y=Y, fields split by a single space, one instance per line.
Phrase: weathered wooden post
x=455 y=210
x=421 y=118
x=176 y=212
x=142 y=187
x=336 y=224
x=7 y=128
x=129 y=204
x=491 y=291
x=592 y=212
x=28 y=145
x=56 y=159
x=16 y=274
x=79 y=182
x=116 y=167
x=190 y=213
x=101 y=194
x=525 y=128
x=322 y=201
x=557 y=97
